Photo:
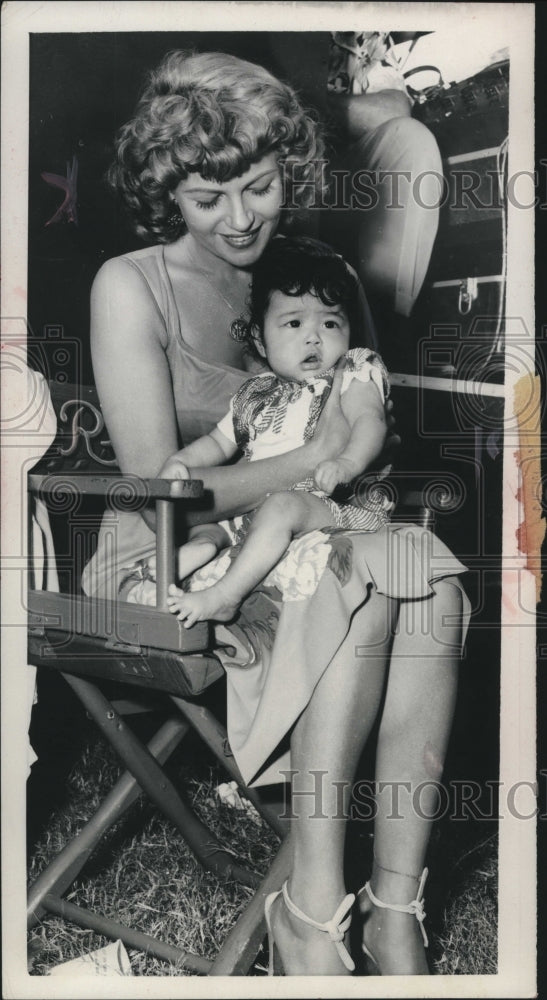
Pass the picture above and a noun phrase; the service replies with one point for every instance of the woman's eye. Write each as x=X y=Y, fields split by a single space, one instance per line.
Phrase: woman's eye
x=263 y=190
x=207 y=204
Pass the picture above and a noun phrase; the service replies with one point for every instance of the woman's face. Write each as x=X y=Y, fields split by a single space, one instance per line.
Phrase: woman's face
x=234 y=220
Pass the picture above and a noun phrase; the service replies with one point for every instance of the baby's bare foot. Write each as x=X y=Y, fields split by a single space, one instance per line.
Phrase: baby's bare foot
x=203 y=605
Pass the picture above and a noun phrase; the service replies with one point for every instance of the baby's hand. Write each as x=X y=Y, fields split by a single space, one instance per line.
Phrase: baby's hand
x=174 y=469
x=330 y=474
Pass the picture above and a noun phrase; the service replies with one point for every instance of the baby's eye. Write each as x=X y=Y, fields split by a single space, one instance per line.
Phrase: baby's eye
x=294 y=323
x=331 y=324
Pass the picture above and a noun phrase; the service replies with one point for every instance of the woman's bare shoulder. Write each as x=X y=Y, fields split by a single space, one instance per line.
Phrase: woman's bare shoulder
x=132 y=267
x=125 y=296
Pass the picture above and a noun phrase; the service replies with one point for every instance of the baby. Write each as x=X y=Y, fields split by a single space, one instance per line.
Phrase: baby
x=304 y=302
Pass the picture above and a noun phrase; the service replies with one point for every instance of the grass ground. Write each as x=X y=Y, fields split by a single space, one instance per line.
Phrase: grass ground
x=144 y=875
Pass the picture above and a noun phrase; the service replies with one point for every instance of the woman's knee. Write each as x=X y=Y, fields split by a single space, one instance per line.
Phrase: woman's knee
x=430 y=632
x=447 y=605
x=412 y=144
x=400 y=144
x=448 y=596
x=448 y=617
x=374 y=622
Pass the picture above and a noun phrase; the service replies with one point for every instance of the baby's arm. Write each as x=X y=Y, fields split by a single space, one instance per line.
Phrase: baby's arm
x=211 y=449
x=364 y=410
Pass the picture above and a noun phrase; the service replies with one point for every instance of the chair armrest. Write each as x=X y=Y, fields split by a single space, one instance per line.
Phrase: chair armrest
x=127 y=492
x=109 y=483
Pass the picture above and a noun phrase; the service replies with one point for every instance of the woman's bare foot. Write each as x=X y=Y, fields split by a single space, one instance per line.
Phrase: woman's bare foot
x=393 y=941
x=215 y=604
x=302 y=950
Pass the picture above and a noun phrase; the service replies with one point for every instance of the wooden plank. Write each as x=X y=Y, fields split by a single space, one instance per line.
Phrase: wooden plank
x=146 y=668
x=114 y=484
x=119 y=622
x=130 y=937
x=242 y=944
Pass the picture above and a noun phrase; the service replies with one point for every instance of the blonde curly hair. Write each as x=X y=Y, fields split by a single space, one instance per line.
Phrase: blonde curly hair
x=213 y=114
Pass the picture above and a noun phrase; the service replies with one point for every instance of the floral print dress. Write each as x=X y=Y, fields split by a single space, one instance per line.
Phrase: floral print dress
x=270 y=416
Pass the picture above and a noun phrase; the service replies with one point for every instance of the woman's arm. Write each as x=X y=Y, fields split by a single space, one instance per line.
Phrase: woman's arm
x=365 y=412
x=211 y=449
x=128 y=340
x=239 y=488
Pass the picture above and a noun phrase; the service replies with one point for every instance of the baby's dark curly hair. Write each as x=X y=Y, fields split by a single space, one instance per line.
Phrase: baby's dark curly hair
x=297 y=265
x=215 y=115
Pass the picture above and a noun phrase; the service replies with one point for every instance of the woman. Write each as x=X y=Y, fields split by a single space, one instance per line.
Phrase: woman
x=201 y=168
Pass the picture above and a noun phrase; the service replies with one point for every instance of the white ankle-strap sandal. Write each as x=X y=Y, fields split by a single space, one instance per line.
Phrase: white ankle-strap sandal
x=336 y=927
x=415 y=907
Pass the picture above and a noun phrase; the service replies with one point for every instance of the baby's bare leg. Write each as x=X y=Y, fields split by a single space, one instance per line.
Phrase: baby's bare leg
x=204 y=542
x=277 y=521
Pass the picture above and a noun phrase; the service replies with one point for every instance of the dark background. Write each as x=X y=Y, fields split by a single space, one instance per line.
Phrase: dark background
x=83 y=86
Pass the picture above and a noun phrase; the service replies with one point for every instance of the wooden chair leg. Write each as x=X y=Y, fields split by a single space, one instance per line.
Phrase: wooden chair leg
x=133 y=939
x=242 y=944
x=61 y=872
x=152 y=779
x=215 y=737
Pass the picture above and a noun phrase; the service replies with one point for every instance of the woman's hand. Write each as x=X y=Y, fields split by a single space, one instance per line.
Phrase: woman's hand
x=332 y=431
x=392 y=438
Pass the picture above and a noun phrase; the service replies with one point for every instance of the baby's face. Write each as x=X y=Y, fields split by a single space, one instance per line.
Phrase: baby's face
x=302 y=336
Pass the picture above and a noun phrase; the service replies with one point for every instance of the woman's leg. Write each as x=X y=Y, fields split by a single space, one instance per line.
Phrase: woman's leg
x=395 y=177
x=325 y=748
x=414 y=731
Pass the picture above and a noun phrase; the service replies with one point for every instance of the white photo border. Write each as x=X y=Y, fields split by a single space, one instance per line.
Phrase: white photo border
x=517 y=890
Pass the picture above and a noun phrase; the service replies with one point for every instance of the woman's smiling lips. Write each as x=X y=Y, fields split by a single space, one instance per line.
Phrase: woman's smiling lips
x=242 y=241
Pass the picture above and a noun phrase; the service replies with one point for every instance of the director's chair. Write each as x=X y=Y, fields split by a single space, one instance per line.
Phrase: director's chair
x=92 y=642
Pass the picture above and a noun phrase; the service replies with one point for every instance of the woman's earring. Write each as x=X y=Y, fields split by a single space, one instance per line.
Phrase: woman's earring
x=175 y=219
x=239 y=330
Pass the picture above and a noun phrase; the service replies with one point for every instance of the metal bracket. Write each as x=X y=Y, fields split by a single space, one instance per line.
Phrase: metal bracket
x=123 y=647
x=468 y=293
